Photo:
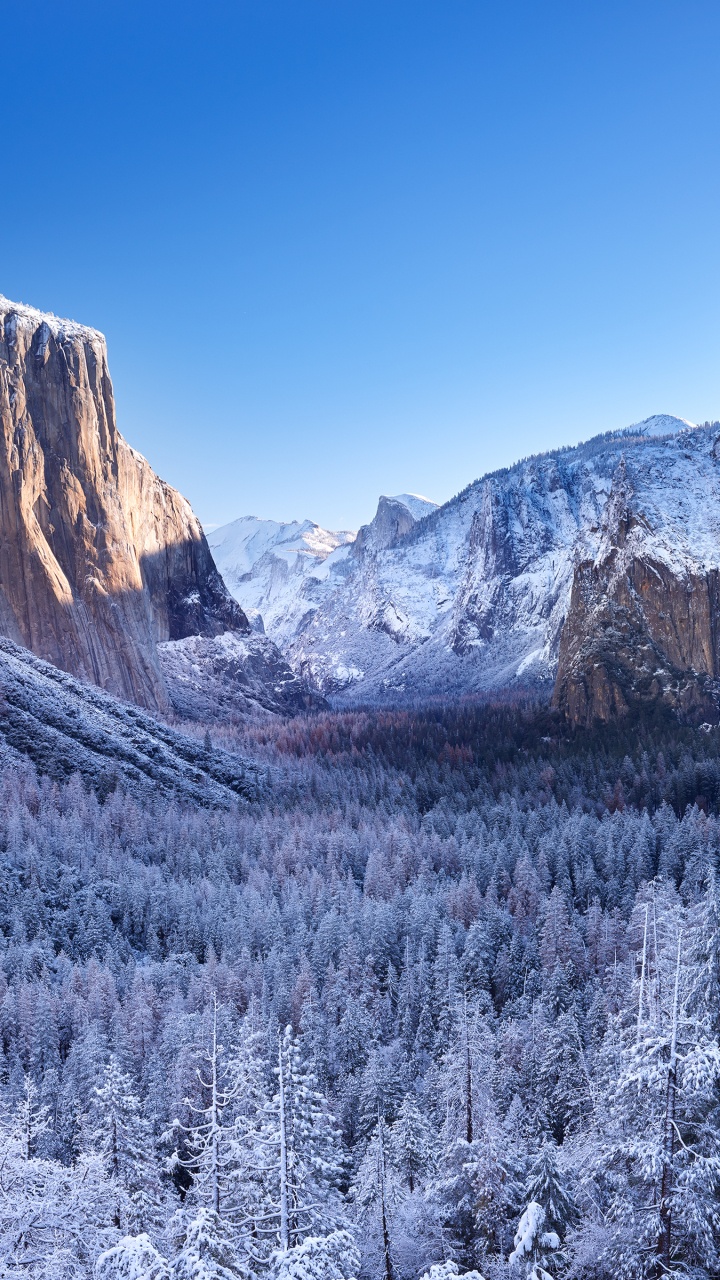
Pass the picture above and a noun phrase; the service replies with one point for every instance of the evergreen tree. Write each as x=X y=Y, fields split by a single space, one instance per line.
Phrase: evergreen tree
x=131 y=1258
x=547 y=1187
x=377 y=1192
x=411 y=1144
x=206 y=1250
x=118 y=1132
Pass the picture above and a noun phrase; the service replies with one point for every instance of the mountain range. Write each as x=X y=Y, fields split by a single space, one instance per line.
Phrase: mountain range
x=589 y=575
x=585 y=573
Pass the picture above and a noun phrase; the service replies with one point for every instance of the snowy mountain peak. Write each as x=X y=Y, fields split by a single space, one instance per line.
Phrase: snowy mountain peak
x=416 y=504
x=661 y=424
x=281 y=569
x=393 y=519
x=284 y=571
x=241 y=544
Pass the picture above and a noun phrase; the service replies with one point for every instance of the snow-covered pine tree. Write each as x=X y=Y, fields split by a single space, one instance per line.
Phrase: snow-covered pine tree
x=412 y=1149
x=132 y=1258
x=304 y=1155
x=206 y=1250
x=118 y=1132
x=332 y=1257
x=54 y=1219
x=449 y=1270
x=211 y=1158
x=548 y=1188
x=535 y=1246
x=376 y=1193
x=650 y=1165
x=470 y=1179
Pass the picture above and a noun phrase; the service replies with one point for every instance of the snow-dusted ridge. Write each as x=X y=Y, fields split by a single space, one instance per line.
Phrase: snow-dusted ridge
x=66 y=726
x=661 y=424
x=57 y=325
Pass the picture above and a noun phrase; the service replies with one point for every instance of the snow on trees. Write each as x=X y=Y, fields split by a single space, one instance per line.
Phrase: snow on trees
x=132 y=1258
x=533 y=1245
x=502 y=978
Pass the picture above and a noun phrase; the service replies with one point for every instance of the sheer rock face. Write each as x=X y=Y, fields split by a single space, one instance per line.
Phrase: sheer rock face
x=643 y=623
x=100 y=560
x=392 y=520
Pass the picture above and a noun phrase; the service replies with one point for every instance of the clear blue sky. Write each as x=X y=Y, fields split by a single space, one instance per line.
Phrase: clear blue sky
x=344 y=247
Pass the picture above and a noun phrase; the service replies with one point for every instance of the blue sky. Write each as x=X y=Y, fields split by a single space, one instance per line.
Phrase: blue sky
x=345 y=247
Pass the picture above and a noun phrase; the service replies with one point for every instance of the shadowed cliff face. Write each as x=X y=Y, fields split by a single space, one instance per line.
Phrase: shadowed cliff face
x=637 y=631
x=99 y=559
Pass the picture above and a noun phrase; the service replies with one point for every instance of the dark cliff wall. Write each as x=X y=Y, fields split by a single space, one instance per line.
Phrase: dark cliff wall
x=637 y=633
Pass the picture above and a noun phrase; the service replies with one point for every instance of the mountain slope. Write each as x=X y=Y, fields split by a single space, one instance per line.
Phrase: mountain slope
x=65 y=726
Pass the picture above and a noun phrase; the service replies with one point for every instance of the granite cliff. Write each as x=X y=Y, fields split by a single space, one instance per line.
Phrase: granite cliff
x=643 y=622
x=100 y=560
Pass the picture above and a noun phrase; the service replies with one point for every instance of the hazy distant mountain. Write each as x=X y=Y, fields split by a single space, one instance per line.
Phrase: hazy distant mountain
x=281 y=573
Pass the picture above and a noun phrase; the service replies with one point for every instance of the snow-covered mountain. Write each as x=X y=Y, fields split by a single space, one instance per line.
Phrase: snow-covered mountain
x=661 y=424
x=282 y=573
x=473 y=596
x=278 y=572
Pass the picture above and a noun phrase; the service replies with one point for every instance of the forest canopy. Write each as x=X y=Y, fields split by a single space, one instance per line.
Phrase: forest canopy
x=444 y=999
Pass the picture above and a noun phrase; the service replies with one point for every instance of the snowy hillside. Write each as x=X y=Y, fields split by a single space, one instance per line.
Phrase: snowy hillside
x=64 y=726
x=232 y=677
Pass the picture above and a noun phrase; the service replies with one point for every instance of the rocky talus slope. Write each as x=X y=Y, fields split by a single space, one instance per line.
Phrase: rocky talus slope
x=100 y=560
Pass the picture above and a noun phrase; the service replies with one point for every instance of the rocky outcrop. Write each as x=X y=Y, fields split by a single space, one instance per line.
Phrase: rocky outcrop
x=643 y=625
x=639 y=635
x=392 y=520
x=100 y=560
